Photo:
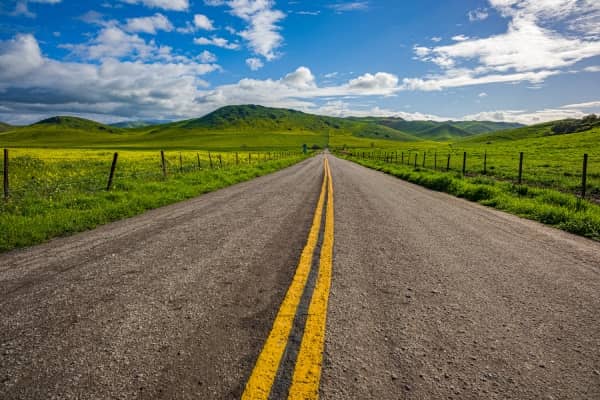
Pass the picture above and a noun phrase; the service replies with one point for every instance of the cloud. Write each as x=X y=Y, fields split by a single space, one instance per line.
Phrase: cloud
x=482 y=94
x=529 y=50
x=460 y=78
x=254 y=63
x=93 y=18
x=172 y=5
x=32 y=84
x=593 y=68
x=340 y=108
x=478 y=15
x=21 y=7
x=460 y=38
x=349 y=6
x=151 y=25
x=113 y=42
x=217 y=41
x=436 y=39
x=589 y=104
x=313 y=13
x=526 y=117
x=379 y=81
x=207 y=57
x=203 y=22
x=262 y=31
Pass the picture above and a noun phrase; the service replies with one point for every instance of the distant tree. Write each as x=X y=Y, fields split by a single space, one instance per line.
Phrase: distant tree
x=576 y=125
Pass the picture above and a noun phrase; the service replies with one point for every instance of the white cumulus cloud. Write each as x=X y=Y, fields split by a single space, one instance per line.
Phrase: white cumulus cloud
x=217 y=41
x=254 y=63
x=203 y=22
x=157 y=22
x=172 y=5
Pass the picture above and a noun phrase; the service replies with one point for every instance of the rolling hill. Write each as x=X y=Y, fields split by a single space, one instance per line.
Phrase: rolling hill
x=440 y=131
x=239 y=127
x=5 y=127
x=553 y=128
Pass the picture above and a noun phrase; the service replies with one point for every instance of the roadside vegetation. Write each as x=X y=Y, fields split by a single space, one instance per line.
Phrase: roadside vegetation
x=59 y=192
x=551 y=186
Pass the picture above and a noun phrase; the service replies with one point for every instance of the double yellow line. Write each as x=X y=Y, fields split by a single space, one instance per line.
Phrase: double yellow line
x=307 y=371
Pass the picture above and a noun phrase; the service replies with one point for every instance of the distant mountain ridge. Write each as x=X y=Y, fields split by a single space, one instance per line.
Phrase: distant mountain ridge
x=138 y=123
x=441 y=131
x=257 y=127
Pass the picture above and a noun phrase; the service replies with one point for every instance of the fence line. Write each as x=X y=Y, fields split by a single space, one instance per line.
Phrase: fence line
x=123 y=171
x=389 y=158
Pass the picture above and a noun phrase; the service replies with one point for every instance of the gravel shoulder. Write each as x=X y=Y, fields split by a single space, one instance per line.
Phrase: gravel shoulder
x=437 y=297
x=172 y=304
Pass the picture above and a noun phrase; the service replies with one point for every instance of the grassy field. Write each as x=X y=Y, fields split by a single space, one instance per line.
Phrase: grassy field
x=58 y=192
x=550 y=161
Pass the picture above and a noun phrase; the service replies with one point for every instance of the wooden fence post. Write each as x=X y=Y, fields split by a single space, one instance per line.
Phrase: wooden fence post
x=6 y=192
x=220 y=161
x=402 y=159
x=520 y=168
x=416 y=155
x=584 y=176
x=198 y=156
x=249 y=158
x=424 y=156
x=464 y=171
x=448 y=163
x=112 y=171
x=435 y=161
x=163 y=163
x=210 y=160
x=180 y=163
x=485 y=163
x=237 y=160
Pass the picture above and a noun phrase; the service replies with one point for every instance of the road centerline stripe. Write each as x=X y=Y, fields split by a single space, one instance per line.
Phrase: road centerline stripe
x=307 y=373
x=265 y=370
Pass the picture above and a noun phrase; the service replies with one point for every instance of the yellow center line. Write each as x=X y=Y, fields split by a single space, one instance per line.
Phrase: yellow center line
x=261 y=380
x=307 y=373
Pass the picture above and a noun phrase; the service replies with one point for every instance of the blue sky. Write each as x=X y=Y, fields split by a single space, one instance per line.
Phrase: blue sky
x=505 y=60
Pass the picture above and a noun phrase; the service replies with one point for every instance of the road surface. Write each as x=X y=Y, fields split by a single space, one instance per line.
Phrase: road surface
x=339 y=282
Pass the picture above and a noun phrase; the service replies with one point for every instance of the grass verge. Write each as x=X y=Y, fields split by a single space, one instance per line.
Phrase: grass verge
x=33 y=218
x=551 y=207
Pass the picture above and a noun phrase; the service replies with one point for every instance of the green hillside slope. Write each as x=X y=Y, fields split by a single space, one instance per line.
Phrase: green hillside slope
x=5 y=127
x=553 y=128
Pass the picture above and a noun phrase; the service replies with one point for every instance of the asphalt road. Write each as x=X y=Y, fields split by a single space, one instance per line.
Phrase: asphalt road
x=429 y=296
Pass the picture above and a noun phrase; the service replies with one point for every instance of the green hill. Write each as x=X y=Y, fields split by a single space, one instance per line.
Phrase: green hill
x=61 y=132
x=444 y=132
x=137 y=124
x=75 y=123
x=440 y=131
x=553 y=128
x=5 y=127
x=248 y=127
x=478 y=127
x=253 y=126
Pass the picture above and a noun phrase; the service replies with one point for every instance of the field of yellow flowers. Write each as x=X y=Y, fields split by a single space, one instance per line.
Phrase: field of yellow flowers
x=56 y=192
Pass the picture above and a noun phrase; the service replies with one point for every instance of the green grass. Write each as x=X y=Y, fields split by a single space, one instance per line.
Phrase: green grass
x=548 y=206
x=56 y=193
x=550 y=161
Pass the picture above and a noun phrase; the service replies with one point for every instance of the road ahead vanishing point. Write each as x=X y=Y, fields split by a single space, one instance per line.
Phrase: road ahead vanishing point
x=325 y=280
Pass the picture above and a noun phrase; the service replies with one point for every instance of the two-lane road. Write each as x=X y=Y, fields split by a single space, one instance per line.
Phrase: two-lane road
x=430 y=297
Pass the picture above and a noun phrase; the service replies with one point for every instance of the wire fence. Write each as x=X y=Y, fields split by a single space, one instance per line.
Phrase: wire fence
x=579 y=175
x=46 y=173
